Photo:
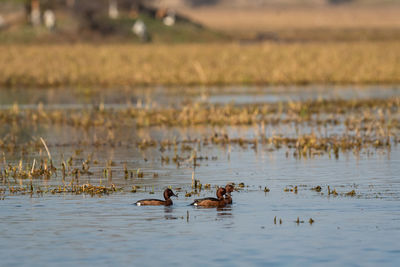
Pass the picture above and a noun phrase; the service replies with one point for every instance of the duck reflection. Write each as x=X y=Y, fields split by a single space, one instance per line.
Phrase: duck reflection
x=168 y=213
x=225 y=212
x=225 y=215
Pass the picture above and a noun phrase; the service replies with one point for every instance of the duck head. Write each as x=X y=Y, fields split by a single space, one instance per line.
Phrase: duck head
x=169 y=193
x=221 y=192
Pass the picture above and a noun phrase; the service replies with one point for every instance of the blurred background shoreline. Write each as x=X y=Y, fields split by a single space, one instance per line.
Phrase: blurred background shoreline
x=210 y=42
x=201 y=21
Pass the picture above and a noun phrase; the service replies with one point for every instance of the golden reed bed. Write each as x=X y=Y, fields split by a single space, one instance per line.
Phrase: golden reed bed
x=186 y=64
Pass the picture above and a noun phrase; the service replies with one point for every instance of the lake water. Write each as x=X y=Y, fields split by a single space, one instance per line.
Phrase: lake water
x=68 y=229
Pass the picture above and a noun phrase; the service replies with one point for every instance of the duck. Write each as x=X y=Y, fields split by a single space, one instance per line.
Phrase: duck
x=211 y=201
x=168 y=193
x=229 y=189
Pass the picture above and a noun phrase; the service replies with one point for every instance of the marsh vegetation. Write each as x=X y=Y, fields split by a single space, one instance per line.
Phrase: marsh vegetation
x=302 y=129
x=208 y=64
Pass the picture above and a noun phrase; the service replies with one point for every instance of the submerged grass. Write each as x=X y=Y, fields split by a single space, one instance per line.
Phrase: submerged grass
x=365 y=124
x=32 y=164
x=186 y=64
x=352 y=113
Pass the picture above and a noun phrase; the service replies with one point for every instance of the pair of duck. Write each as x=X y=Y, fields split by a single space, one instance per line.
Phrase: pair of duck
x=223 y=198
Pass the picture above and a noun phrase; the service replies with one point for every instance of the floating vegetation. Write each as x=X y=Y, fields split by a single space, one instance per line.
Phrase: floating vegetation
x=43 y=171
x=332 y=192
x=317 y=188
x=368 y=124
x=334 y=127
x=214 y=114
x=352 y=193
x=275 y=220
x=139 y=173
x=92 y=189
x=89 y=189
x=292 y=189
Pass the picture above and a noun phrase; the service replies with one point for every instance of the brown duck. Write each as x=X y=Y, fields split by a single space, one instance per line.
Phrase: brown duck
x=158 y=202
x=229 y=189
x=211 y=201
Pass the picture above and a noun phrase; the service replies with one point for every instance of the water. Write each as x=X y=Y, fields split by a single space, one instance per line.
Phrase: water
x=67 y=229
x=160 y=96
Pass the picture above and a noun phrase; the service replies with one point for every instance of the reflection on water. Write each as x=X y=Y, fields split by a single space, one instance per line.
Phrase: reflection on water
x=159 y=96
x=70 y=229
x=226 y=215
x=284 y=94
x=169 y=214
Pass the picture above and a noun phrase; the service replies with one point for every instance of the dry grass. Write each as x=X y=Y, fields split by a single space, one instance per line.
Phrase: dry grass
x=297 y=17
x=267 y=63
x=342 y=23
